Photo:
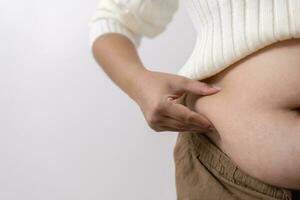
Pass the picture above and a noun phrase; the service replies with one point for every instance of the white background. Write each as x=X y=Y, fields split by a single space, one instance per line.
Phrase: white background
x=67 y=132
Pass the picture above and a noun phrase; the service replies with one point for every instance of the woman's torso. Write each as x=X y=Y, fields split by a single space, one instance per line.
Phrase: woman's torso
x=257 y=113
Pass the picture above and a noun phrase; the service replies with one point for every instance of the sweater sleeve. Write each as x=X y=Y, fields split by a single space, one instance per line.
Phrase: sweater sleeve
x=132 y=18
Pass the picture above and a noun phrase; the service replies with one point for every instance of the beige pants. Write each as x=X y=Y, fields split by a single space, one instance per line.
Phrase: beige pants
x=203 y=171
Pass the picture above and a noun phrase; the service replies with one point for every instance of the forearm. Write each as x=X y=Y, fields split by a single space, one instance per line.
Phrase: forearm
x=119 y=59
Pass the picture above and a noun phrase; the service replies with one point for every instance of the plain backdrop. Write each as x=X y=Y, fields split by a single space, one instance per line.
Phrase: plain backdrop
x=67 y=132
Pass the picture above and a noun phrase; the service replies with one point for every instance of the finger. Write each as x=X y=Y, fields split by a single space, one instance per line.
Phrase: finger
x=169 y=128
x=166 y=121
x=182 y=128
x=166 y=127
x=184 y=114
x=174 y=123
x=198 y=87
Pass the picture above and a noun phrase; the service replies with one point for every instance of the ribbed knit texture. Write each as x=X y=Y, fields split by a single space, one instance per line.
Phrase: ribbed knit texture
x=101 y=27
x=227 y=30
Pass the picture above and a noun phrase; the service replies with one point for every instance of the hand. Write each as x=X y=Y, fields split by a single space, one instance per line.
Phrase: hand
x=157 y=95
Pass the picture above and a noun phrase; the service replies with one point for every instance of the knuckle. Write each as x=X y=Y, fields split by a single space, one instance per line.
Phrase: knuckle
x=158 y=108
x=151 y=116
x=168 y=102
x=152 y=119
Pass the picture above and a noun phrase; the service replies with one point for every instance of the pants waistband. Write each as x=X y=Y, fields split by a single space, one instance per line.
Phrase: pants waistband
x=218 y=162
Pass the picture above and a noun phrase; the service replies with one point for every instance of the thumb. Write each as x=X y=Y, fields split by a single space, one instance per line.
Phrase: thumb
x=198 y=87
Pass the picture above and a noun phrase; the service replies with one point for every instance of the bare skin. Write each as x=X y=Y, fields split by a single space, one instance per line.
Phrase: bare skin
x=257 y=113
x=158 y=94
x=254 y=117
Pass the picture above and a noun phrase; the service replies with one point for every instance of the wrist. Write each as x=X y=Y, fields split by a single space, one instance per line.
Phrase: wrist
x=137 y=84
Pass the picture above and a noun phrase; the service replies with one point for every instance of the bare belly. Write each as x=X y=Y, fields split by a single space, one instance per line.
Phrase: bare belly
x=257 y=113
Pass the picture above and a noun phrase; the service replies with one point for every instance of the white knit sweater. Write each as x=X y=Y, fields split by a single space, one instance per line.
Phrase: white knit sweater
x=227 y=30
